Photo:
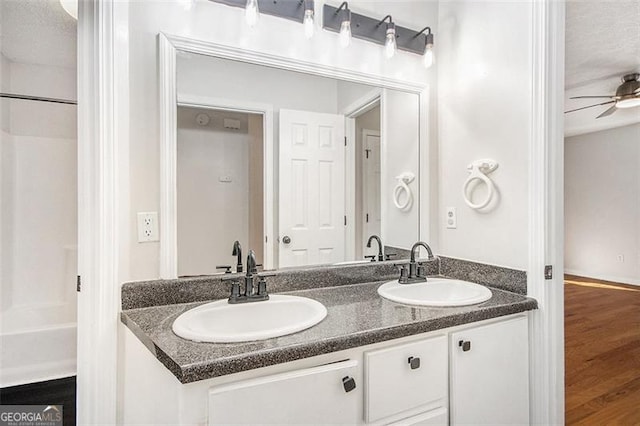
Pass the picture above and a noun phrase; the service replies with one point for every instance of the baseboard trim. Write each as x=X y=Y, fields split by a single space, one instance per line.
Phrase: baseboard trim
x=603 y=277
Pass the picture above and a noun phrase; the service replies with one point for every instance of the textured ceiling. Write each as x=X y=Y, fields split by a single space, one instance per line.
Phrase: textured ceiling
x=602 y=40
x=602 y=44
x=37 y=32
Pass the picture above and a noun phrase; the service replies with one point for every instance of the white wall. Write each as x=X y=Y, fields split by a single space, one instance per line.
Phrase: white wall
x=484 y=111
x=602 y=204
x=399 y=153
x=224 y=25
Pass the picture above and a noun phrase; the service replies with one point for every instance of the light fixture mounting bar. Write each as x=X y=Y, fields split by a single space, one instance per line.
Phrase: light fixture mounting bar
x=366 y=28
x=287 y=9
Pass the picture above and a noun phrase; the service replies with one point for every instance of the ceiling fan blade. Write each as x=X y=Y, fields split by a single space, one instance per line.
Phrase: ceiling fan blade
x=608 y=112
x=590 y=106
x=592 y=97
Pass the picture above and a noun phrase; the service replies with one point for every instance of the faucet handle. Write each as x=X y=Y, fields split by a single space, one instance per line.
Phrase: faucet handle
x=404 y=273
x=262 y=284
x=227 y=268
x=390 y=255
x=372 y=257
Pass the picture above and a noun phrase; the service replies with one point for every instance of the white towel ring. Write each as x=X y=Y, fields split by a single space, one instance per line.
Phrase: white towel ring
x=478 y=171
x=403 y=187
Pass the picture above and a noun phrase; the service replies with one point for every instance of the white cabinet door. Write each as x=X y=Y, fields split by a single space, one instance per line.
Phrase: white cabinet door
x=317 y=395
x=312 y=180
x=490 y=374
x=406 y=377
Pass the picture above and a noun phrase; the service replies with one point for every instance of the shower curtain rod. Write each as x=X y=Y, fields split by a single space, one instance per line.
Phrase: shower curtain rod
x=38 y=98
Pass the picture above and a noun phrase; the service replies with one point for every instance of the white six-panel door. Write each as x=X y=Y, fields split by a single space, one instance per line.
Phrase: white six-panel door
x=311 y=199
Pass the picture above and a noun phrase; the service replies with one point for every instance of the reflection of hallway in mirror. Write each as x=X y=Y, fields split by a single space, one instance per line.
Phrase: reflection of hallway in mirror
x=220 y=187
x=368 y=177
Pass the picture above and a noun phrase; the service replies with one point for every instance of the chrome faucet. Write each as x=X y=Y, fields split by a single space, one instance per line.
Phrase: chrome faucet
x=379 y=241
x=237 y=251
x=417 y=271
x=252 y=274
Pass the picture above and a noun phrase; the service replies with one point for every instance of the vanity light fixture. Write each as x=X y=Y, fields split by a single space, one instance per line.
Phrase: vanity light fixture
x=251 y=12
x=393 y=37
x=427 y=57
x=390 y=37
x=308 y=20
x=345 y=24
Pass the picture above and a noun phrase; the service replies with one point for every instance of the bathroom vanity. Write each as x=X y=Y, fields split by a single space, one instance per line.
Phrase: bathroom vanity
x=370 y=361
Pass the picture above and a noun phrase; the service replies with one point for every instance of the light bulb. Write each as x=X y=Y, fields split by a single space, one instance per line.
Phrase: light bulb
x=308 y=23
x=345 y=34
x=427 y=58
x=251 y=12
x=390 y=42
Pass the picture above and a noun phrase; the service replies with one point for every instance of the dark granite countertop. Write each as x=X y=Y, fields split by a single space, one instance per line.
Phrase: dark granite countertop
x=357 y=316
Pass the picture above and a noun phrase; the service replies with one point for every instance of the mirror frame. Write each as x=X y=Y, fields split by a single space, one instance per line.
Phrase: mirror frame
x=170 y=45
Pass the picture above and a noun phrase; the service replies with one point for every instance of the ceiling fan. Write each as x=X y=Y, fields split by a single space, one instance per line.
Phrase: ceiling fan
x=627 y=96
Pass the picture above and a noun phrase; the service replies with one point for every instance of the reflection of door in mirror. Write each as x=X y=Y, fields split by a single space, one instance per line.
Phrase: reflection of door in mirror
x=312 y=185
x=220 y=187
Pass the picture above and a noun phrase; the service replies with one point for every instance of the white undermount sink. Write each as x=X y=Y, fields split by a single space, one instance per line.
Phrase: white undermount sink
x=435 y=292
x=221 y=322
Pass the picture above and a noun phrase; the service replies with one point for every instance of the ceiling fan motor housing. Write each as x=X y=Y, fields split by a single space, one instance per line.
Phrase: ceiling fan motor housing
x=629 y=86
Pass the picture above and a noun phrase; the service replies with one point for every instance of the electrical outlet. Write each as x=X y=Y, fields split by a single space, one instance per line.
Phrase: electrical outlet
x=452 y=218
x=148 y=227
x=620 y=258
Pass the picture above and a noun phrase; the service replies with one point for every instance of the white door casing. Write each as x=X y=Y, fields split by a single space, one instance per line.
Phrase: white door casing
x=312 y=188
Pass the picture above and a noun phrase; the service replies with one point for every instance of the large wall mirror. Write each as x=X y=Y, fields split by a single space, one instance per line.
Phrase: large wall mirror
x=302 y=168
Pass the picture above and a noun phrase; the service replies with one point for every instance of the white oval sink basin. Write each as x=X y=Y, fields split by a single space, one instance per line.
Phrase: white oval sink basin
x=435 y=292
x=221 y=322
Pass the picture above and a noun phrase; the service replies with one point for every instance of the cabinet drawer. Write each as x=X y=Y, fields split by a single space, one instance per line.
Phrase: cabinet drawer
x=315 y=395
x=434 y=417
x=393 y=385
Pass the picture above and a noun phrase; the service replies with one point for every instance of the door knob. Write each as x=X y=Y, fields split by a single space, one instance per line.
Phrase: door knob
x=286 y=239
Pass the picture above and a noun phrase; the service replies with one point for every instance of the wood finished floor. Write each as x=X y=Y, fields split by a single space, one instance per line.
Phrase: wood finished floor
x=602 y=352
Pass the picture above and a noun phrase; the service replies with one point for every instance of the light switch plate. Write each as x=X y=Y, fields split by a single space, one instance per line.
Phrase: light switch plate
x=452 y=218
x=148 y=227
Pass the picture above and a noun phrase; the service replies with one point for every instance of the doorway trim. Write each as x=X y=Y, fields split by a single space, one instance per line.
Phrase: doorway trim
x=103 y=206
x=546 y=217
x=351 y=112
